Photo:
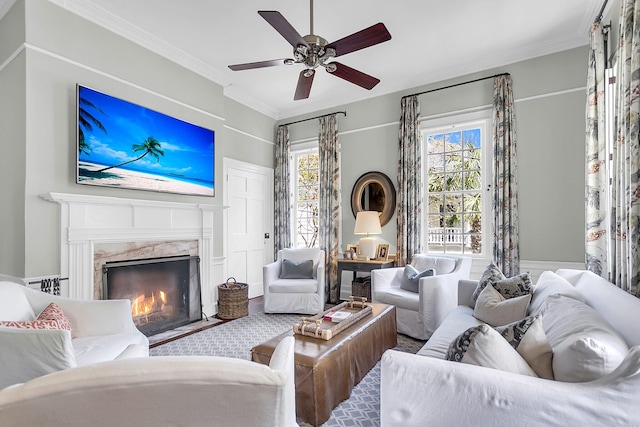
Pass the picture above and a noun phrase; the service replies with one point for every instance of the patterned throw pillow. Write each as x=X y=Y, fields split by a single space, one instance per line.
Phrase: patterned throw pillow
x=51 y=317
x=411 y=278
x=507 y=287
x=491 y=274
x=528 y=338
x=516 y=286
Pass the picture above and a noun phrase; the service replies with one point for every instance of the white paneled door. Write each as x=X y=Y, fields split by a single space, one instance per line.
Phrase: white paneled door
x=249 y=225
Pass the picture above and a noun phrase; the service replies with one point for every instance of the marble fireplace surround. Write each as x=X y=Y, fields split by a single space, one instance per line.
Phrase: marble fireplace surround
x=96 y=229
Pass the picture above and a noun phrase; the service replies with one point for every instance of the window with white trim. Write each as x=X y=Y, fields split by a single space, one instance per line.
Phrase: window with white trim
x=457 y=202
x=305 y=186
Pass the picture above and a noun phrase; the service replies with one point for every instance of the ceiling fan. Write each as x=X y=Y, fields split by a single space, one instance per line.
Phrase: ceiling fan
x=313 y=51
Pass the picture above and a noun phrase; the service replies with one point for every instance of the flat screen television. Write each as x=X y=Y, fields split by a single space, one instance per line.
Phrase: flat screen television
x=124 y=145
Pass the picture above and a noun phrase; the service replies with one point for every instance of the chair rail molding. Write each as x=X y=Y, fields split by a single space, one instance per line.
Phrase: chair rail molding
x=87 y=220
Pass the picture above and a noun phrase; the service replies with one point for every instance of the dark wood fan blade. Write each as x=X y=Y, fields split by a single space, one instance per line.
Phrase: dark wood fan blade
x=283 y=26
x=368 y=37
x=260 y=64
x=304 y=85
x=354 y=76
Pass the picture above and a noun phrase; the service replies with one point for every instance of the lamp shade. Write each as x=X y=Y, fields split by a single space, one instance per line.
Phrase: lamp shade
x=367 y=222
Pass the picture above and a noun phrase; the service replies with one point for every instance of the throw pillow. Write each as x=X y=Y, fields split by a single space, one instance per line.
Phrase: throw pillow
x=491 y=274
x=496 y=310
x=411 y=278
x=585 y=347
x=508 y=287
x=295 y=270
x=51 y=317
x=516 y=286
x=550 y=283
x=484 y=346
x=528 y=338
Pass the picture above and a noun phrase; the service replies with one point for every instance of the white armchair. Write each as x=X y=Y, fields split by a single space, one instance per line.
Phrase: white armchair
x=297 y=295
x=160 y=391
x=101 y=330
x=419 y=314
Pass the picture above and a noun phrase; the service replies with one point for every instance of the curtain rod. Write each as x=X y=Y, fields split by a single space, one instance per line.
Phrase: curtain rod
x=313 y=118
x=599 y=17
x=457 y=84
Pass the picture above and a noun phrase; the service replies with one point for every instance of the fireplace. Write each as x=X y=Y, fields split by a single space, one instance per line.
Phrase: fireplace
x=164 y=292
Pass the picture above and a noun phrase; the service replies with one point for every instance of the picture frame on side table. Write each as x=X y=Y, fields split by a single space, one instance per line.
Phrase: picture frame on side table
x=382 y=253
x=355 y=247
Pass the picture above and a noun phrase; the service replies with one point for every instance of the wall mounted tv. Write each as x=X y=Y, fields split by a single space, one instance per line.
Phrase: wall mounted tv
x=125 y=145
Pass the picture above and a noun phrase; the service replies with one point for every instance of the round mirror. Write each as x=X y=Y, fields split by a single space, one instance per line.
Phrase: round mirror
x=374 y=191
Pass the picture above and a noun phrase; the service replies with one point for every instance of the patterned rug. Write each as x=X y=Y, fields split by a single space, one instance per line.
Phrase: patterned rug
x=238 y=337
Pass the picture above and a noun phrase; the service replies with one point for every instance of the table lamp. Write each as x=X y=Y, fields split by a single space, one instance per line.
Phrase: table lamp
x=368 y=222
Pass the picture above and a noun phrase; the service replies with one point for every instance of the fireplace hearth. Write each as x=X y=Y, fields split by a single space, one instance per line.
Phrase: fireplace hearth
x=165 y=292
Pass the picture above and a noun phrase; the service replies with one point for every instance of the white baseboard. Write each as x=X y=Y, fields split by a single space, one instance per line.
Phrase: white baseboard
x=534 y=268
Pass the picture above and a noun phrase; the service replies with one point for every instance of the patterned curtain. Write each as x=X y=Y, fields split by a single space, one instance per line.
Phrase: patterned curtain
x=506 y=251
x=329 y=203
x=626 y=154
x=596 y=196
x=282 y=205
x=409 y=196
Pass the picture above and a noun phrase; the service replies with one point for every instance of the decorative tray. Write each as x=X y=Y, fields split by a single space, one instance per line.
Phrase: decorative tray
x=321 y=326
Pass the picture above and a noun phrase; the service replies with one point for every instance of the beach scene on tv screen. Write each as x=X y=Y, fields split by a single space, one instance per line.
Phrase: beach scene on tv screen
x=121 y=144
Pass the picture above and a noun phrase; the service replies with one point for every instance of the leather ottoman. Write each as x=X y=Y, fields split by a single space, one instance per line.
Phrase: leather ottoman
x=327 y=370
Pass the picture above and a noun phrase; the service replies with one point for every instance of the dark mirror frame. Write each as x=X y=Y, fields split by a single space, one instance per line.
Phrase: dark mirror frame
x=389 y=194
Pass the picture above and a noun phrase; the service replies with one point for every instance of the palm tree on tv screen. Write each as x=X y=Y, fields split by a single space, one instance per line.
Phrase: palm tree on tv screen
x=150 y=146
x=86 y=119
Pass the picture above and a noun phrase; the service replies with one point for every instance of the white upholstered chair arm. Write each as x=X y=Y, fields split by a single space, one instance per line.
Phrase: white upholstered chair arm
x=386 y=278
x=32 y=353
x=417 y=391
x=320 y=275
x=438 y=296
x=271 y=272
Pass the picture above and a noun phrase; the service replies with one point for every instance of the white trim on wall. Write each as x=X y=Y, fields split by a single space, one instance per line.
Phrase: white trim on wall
x=249 y=135
x=478 y=108
x=33 y=48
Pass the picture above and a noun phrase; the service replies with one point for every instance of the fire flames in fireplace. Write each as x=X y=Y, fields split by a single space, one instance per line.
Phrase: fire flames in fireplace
x=164 y=292
x=147 y=309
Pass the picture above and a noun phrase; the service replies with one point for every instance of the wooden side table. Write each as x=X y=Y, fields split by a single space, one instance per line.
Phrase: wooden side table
x=359 y=266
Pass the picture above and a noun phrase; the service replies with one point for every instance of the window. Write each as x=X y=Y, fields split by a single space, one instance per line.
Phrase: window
x=304 y=168
x=455 y=166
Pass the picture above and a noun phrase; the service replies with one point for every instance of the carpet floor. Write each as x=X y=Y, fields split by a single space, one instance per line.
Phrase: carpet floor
x=236 y=339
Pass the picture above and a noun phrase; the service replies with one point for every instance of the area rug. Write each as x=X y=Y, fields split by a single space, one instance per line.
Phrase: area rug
x=238 y=337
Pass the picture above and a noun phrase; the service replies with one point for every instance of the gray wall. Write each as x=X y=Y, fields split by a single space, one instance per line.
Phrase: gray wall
x=550 y=99
x=38 y=99
x=47 y=51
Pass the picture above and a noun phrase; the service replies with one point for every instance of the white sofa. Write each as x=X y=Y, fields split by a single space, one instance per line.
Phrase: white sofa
x=159 y=391
x=419 y=314
x=102 y=330
x=295 y=295
x=425 y=389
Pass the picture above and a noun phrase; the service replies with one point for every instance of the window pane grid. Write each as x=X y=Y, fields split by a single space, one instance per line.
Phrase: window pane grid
x=454 y=174
x=306 y=196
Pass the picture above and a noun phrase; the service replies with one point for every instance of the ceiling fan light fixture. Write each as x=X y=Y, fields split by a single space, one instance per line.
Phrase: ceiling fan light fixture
x=330 y=67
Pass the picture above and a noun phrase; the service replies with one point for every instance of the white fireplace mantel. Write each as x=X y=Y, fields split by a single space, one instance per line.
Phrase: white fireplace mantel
x=86 y=220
